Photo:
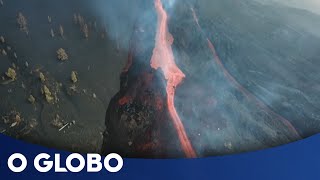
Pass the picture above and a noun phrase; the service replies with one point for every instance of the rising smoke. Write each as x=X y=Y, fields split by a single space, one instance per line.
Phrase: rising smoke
x=244 y=86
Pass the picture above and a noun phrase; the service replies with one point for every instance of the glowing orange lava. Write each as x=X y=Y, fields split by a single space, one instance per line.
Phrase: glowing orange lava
x=163 y=58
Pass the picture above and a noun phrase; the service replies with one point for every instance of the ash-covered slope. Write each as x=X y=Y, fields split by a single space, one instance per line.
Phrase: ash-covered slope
x=97 y=60
x=251 y=78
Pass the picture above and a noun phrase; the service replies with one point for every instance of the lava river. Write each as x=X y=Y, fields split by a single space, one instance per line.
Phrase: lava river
x=163 y=58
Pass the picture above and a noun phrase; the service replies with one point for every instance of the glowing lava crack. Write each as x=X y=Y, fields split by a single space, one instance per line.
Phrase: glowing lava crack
x=163 y=58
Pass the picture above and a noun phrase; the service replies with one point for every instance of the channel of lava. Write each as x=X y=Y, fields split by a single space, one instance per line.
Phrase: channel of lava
x=236 y=84
x=163 y=58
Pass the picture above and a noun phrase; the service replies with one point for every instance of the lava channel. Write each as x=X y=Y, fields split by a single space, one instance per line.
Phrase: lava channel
x=236 y=84
x=163 y=58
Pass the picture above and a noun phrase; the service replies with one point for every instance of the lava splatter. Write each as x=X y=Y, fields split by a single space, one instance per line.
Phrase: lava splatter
x=163 y=58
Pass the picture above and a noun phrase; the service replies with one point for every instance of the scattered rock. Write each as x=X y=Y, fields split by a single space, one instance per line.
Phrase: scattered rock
x=11 y=73
x=73 y=88
x=48 y=95
x=42 y=77
x=62 y=55
x=33 y=123
x=52 y=33
x=49 y=19
x=74 y=78
x=57 y=122
x=31 y=99
x=15 y=55
x=4 y=52
x=13 y=118
x=22 y=22
x=2 y=39
x=61 y=31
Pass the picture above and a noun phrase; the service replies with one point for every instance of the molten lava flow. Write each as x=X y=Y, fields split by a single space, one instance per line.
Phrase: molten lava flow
x=163 y=58
x=238 y=85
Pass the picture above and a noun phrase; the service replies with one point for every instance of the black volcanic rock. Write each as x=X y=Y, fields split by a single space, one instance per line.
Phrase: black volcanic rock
x=137 y=121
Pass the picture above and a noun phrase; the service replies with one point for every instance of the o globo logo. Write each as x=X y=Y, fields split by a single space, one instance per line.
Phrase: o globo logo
x=92 y=162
